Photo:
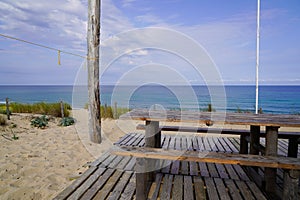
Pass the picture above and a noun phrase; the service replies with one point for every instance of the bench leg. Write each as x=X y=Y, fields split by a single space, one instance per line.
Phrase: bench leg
x=290 y=184
x=243 y=144
x=254 y=139
x=271 y=150
x=293 y=147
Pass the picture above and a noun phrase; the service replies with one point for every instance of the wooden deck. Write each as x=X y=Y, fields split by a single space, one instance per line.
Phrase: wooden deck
x=113 y=177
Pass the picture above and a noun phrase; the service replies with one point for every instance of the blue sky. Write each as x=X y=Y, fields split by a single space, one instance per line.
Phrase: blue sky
x=226 y=30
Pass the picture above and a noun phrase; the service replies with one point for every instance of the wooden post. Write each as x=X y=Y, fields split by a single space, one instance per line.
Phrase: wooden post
x=116 y=111
x=254 y=139
x=145 y=167
x=291 y=184
x=243 y=144
x=271 y=150
x=93 y=42
x=7 y=108
x=62 y=109
x=293 y=147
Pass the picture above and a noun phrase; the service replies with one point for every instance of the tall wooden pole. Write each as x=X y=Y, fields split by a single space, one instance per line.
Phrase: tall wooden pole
x=93 y=42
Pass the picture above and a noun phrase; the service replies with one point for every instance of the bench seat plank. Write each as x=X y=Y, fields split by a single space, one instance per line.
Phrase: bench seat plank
x=210 y=157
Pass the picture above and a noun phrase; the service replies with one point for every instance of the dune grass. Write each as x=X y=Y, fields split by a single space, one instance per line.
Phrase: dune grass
x=40 y=108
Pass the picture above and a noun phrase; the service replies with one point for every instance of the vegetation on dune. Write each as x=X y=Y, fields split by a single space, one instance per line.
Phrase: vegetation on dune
x=67 y=121
x=2 y=120
x=110 y=112
x=43 y=108
x=40 y=122
x=209 y=108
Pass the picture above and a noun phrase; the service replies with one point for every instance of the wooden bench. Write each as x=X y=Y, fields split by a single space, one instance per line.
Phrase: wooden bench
x=293 y=137
x=147 y=156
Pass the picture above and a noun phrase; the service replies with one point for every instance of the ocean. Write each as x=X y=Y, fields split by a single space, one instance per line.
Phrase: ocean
x=272 y=99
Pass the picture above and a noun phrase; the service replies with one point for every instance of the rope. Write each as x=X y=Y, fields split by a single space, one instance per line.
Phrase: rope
x=46 y=47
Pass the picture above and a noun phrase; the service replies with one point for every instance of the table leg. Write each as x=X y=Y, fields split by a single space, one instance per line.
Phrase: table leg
x=254 y=139
x=271 y=150
x=152 y=134
x=145 y=168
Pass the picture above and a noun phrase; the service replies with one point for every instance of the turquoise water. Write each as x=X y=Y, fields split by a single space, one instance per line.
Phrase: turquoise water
x=272 y=99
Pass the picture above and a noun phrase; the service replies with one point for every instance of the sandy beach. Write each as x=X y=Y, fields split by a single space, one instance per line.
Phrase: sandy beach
x=42 y=162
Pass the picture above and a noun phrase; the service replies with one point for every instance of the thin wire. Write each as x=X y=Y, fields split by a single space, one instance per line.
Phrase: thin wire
x=44 y=46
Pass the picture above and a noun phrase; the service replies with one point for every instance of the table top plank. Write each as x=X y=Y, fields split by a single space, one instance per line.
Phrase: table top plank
x=280 y=120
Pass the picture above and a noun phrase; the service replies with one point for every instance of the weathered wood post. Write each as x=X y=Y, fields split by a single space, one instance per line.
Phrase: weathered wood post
x=116 y=111
x=7 y=108
x=93 y=42
x=271 y=150
x=62 y=109
x=145 y=167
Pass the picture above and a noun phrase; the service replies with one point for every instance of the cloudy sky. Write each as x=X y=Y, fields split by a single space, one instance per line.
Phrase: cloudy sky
x=180 y=30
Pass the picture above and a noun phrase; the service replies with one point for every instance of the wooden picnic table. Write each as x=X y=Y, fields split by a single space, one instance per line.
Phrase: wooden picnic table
x=271 y=122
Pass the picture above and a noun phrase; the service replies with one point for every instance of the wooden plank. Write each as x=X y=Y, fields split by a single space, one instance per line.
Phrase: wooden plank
x=129 y=190
x=241 y=173
x=200 y=193
x=156 y=185
x=116 y=193
x=188 y=191
x=130 y=165
x=121 y=165
x=203 y=169
x=210 y=157
x=226 y=118
x=112 y=181
x=193 y=168
x=93 y=186
x=167 y=186
x=256 y=191
x=184 y=164
x=176 y=164
x=221 y=170
x=225 y=146
x=232 y=189
x=120 y=141
x=231 y=172
x=211 y=188
x=128 y=139
x=201 y=146
x=177 y=192
x=116 y=161
x=98 y=161
x=212 y=170
x=221 y=189
x=69 y=190
x=245 y=191
x=107 y=161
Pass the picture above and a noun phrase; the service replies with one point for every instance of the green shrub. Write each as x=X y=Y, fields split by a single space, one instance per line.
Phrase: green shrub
x=67 y=121
x=2 y=120
x=40 y=122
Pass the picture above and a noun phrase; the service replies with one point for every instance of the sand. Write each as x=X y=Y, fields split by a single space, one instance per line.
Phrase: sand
x=42 y=162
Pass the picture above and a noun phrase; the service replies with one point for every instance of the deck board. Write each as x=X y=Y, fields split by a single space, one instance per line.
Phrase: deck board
x=113 y=177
